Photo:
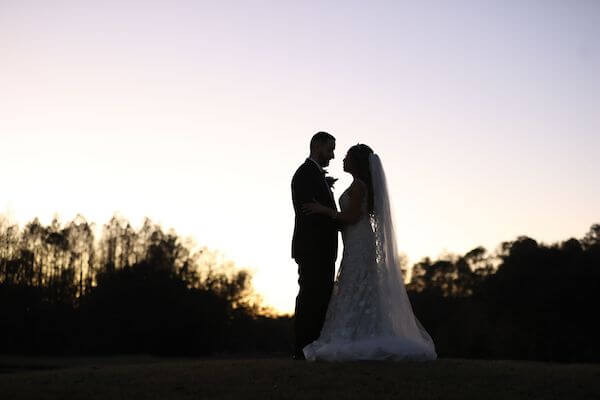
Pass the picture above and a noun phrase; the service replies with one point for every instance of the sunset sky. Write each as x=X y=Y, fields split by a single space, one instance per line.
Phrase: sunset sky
x=486 y=116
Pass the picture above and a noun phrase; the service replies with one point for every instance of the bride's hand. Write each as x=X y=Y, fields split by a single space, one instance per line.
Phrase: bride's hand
x=314 y=208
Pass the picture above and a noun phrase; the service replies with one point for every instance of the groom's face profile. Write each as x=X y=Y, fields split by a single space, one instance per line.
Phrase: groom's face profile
x=324 y=152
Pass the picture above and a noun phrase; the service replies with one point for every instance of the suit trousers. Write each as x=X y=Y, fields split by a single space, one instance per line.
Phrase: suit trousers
x=315 y=278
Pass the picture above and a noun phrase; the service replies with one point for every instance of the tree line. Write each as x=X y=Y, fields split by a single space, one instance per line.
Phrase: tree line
x=527 y=300
x=131 y=291
x=64 y=291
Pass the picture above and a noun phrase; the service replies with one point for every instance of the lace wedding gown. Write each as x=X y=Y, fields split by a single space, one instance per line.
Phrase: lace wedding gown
x=369 y=315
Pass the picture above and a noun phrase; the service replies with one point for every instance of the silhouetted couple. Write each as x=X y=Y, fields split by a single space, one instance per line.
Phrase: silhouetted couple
x=365 y=314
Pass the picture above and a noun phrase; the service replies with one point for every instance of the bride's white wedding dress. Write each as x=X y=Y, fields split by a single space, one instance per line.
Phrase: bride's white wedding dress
x=369 y=315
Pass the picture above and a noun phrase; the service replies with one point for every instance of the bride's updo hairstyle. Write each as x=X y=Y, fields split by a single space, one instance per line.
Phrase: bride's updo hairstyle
x=359 y=155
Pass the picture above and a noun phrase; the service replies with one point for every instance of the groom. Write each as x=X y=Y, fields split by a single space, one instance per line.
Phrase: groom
x=314 y=244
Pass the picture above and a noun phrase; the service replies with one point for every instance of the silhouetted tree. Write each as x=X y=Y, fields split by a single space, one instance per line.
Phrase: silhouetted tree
x=64 y=292
x=131 y=291
x=537 y=303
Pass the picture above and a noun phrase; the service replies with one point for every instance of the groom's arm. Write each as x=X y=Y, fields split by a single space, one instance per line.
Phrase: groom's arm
x=349 y=215
x=303 y=189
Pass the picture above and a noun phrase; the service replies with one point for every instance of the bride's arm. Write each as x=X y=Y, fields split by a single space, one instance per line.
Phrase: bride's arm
x=350 y=215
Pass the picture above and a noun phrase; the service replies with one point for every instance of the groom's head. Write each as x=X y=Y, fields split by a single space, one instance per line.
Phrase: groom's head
x=322 y=146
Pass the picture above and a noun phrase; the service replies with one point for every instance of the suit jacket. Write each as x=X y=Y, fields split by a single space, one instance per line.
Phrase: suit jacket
x=315 y=236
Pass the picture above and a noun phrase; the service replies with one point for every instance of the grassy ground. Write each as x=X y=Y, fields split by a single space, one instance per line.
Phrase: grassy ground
x=155 y=378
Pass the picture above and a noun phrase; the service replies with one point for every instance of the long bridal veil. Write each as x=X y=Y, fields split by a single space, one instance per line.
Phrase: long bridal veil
x=397 y=313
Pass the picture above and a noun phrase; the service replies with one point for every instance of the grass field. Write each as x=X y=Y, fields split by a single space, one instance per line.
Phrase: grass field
x=156 y=378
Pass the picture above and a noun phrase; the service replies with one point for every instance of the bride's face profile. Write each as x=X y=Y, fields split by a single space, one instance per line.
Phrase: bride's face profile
x=348 y=163
x=356 y=161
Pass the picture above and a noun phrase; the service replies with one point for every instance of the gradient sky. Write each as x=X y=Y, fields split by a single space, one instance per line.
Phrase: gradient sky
x=196 y=114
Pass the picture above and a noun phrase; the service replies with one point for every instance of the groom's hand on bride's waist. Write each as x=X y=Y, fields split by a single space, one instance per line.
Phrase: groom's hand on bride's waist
x=316 y=208
x=312 y=208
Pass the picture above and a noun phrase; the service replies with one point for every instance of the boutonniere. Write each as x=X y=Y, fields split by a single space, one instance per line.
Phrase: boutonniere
x=330 y=181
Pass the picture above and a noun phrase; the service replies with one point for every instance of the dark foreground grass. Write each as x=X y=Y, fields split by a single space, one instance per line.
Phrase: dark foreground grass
x=155 y=378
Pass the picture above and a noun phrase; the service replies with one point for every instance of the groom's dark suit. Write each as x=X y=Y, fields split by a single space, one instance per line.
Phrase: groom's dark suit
x=314 y=247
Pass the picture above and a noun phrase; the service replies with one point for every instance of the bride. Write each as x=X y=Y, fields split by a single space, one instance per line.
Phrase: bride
x=369 y=315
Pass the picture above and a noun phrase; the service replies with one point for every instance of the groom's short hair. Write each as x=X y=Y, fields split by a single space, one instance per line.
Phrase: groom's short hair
x=320 y=138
